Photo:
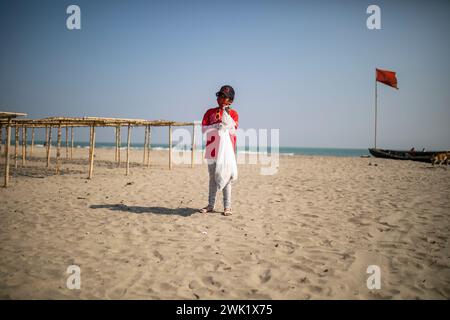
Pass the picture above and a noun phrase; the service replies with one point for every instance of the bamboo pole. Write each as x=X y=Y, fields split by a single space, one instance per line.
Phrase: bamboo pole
x=16 y=149
x=58 y=151
x=24 y=144
x=67 y=142
x=46 y=136
x=148 y=145
x=32 y=141
x=128 y=149
x=115 y=150
x=193 y=146
x=71 y=142
x=49 y=146
x=8 y=142
x=170 y=147
x=92 y=152
x=145 y=145
x=1 y=139
x=119 y=144
x=90 y=146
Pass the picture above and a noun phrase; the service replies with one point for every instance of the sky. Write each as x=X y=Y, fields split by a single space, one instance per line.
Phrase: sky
x=306 y=68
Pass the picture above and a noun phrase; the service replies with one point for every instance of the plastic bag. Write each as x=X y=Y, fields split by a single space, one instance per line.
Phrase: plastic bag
x=226 y=167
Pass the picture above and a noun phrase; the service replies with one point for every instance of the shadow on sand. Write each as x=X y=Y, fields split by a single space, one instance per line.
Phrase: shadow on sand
x=184 y=212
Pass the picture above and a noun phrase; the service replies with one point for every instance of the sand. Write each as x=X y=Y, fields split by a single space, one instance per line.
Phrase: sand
x=308 y=232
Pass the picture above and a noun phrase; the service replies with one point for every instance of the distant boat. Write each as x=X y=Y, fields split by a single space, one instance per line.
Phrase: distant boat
x=422 y=156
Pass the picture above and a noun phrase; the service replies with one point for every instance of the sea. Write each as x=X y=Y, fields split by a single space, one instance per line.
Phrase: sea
x=289 y=151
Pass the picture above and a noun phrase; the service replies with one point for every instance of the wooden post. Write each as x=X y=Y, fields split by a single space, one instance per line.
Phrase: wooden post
x=46 y=136
x=8 y=142
x=71 y=142
x=90 y=147
x=58 y=150
x=193 y=146
x=24 y=144
x=117 y=146
x=128 y=149
x=145 y=144
x=32 y=141
x=119 y=143
x=92 y=152
x=148 y=146
x=1 y=139
x=49 y=146
x=67 y=142
x=16 y=150
x=170 y=147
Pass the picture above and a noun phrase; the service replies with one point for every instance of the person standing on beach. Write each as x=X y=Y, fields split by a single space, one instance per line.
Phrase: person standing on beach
x=212 y=122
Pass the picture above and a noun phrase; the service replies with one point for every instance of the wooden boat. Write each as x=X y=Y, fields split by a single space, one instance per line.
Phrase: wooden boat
x=422 y=156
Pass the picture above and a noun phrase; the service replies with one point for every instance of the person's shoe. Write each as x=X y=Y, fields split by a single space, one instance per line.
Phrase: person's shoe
x=206 y=209
x=227 y=212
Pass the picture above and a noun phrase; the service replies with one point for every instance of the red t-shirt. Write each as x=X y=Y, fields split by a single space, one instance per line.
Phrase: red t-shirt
x=213 y=116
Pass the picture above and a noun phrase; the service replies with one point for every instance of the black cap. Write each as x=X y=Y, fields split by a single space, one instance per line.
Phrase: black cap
x=228 y=91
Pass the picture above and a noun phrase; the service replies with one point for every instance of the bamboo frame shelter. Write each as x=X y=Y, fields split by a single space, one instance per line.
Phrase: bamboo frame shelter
x=93 y=123
x=7 y=118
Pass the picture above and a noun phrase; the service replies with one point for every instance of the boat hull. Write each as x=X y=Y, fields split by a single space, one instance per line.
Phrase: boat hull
x=403 y=155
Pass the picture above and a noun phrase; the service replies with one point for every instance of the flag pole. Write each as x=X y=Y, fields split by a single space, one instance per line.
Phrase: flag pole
x=376 y=102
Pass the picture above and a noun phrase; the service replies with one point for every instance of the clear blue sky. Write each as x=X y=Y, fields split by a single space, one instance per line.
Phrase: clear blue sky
x=305 y=67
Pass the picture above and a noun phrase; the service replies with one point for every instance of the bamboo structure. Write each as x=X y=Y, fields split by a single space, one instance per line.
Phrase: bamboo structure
x=92 y=122
x=58 y=151
x=71 y=142
x=7 y=144
x=119 y=145
x=24 y=145
x=128 y=149
x=148 y=145
x=145 y=145
x=67 y=142
x=170 y=147
x=116 y=130
x=16 y=149
x=91 y=152
x=46 y=136
x=49 y=146
x=1 y=138
x=32 y=142
x=7 y=117
x=193 y=146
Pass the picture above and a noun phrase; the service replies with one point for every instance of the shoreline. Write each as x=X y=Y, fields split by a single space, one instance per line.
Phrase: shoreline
x=163 y=147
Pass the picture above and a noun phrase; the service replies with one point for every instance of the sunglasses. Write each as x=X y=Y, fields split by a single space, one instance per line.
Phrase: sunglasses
x=221 y=95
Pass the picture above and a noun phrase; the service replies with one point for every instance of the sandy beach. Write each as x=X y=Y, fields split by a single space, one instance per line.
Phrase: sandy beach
x=308 y=232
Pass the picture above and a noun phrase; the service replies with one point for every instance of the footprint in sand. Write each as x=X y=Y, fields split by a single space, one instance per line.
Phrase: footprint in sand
x=265 y=276
x=158 y=255
x=209 y=281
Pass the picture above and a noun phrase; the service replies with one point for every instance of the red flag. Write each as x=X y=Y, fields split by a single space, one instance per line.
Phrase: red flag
x=387 y=77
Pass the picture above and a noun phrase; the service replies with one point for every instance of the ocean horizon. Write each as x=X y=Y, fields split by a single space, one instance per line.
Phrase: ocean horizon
x=286 y=150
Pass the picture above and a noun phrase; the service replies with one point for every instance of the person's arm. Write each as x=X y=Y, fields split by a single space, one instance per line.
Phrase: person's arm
x=206 y=125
